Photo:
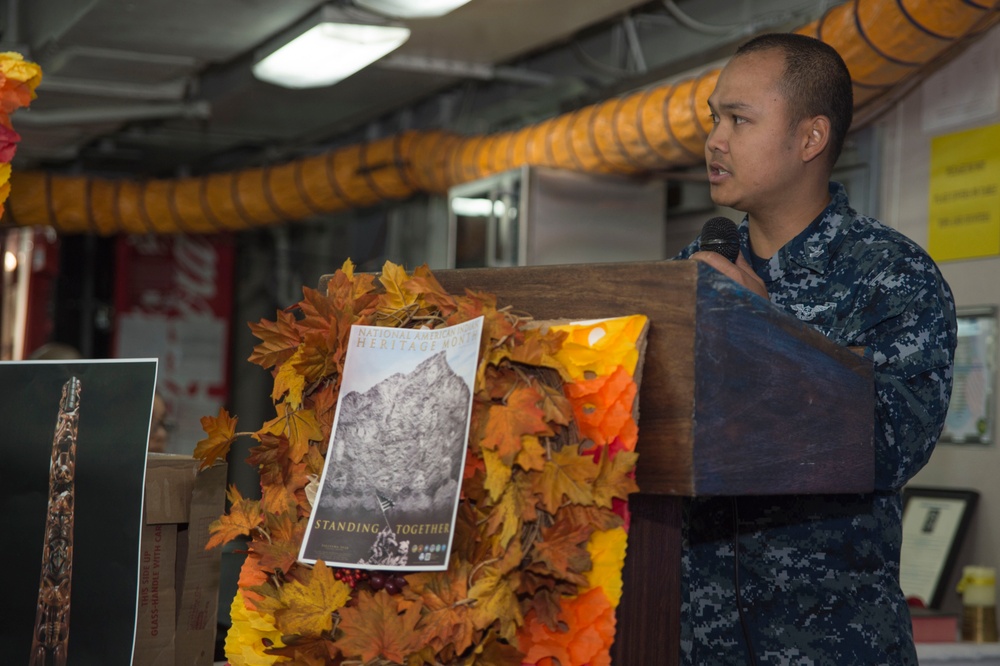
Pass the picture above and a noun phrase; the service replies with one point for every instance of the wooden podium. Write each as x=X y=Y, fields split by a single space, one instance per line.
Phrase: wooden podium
x=736 y=398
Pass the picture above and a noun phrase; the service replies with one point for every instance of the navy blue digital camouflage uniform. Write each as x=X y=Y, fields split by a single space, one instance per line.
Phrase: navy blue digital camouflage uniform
x=819 y=575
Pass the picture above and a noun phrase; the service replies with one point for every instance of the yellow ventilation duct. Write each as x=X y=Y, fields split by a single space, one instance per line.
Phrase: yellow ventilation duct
x=882 y=41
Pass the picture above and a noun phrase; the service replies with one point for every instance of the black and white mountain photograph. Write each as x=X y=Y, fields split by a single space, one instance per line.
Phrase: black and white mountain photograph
x=390 y=487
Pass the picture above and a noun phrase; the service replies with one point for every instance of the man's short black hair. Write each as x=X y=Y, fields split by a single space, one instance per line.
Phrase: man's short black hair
x=816 y=81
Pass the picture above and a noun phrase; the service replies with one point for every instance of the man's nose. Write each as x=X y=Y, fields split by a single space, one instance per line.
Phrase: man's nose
x=716 y=141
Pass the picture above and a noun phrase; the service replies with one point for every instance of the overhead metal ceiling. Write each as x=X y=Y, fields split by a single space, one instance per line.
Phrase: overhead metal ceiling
x=164 y=87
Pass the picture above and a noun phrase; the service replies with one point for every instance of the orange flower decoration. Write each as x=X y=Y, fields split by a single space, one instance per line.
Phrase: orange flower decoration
x=590 y=622
x=607 y=555
x=603 y=408
x=598 y=347
x=18 y=80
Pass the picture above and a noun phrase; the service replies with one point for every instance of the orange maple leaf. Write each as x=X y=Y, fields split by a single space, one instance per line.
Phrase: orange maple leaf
x=280 y=552
x=375 y=628
x=431 y=293
x=323 y=402
x=251 y=575
x=308 y=607
x=270 y=458
x=495 y=652
x=322 y=353
x=298 y=425
x=279 y=340
x=472 y=305
x=317 y=310
x=590 y=516
x=445 y=617
x=563 y=551
x=221 y=431
x=303 y=651
x=244 y=516
x=538 y=348
x=279 y=498
x=567 y=474
x=508 y=422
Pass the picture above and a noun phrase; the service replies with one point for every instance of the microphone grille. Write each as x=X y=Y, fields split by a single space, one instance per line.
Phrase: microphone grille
x=721 y=235
x=720 y=230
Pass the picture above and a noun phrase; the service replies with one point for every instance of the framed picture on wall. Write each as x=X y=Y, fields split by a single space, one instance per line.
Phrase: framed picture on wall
x=935 y=521
x=970 y=412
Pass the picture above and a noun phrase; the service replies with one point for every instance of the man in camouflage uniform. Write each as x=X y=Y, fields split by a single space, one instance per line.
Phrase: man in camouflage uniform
x=818 y=576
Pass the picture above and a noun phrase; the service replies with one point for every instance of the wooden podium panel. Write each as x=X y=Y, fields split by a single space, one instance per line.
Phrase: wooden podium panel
x=736 y=398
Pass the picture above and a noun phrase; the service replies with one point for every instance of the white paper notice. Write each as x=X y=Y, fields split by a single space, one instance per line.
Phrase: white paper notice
x=929 y=528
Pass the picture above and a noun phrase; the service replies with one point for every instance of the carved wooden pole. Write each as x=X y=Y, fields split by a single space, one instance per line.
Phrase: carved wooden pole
x=51 y=638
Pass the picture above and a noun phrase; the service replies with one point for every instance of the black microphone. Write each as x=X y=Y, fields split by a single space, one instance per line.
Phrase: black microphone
x=720 y=235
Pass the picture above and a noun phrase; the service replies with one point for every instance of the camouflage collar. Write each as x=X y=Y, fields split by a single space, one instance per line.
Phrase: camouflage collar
x=815 y=246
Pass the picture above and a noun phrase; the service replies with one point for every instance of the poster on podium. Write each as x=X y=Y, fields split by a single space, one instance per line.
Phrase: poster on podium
x=71 y=493
x=389 y=491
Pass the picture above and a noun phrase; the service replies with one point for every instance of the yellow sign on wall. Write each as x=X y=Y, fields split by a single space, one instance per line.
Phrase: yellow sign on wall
x=964 y=206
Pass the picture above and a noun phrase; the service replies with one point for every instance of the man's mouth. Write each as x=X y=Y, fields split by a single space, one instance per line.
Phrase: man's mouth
x=716 y=172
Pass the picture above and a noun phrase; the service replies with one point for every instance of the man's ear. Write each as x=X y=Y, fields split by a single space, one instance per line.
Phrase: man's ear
x=815 y=137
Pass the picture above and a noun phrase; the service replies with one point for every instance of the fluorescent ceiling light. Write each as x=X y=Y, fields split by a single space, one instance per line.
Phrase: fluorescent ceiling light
x=327 y=48
x=411 y=8
x=469 y=207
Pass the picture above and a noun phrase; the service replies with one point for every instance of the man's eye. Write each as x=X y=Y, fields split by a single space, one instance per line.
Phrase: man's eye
x=739 y=120
x=715 y=118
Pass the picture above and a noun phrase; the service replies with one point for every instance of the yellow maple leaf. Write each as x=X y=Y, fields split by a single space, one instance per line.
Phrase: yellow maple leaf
x=397 y=297
x=505 y=517
x=567 y=474
x=348 y=268
x=298 y=425
x=532 y=454
x=221 y=431
x=494 y=594
x=497 y=474
x=614 y=477
x=308 y=608
x=289 y=381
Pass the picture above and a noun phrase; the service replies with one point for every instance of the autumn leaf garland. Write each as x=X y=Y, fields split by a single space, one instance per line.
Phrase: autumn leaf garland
x=539 y=542
x=18 y=80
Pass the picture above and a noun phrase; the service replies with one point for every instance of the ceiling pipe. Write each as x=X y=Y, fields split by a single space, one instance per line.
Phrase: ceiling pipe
x=161 y=91
x=885 y=43
x=114 y=114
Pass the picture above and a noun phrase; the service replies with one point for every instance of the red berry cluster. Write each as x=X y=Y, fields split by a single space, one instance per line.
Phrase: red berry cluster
x=390 y=582
x=350 y=576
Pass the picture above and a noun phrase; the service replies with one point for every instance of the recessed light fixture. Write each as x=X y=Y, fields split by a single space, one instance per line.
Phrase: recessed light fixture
x=327 y=47
x=411 y=8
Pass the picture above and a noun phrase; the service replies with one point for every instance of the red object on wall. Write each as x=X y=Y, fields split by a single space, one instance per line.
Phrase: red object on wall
x=174 y=301
x=44 y=269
